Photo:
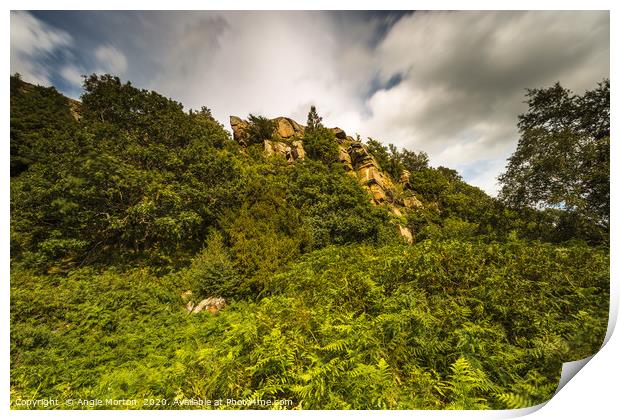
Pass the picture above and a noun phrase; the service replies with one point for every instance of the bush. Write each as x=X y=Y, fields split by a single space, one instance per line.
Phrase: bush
x=213 y=273
x=260 y=129
x=321 y=145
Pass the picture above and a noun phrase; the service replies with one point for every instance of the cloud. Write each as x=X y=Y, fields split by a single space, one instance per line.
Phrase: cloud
x=32 y=42
x=449 y=83
x=111 y=60
x=272 y=63
x=464 y=75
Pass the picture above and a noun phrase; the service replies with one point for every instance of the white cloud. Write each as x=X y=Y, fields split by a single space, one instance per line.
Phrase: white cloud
x=111 y=60
x=267 y=63
x=71 y=74
x=31 y=42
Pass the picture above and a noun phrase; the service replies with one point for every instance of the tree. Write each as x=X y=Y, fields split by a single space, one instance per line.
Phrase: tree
x=136 y=177
x=388 y=158
x=562 y=158
x=413 y=161
x=314 y=121
x=319 y=142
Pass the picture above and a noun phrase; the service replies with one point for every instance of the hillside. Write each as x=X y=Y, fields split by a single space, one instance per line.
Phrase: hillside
x=159 y=262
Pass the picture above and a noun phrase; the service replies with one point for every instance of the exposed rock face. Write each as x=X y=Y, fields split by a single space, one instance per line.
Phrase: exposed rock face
x=412 y=202
x=297 y=150
x=345 y=158
x=212 y=304
x=368 y=172
x=239 y=129
x=276 y=148
x=290 y=153
x=339 y=133
x=287 y=128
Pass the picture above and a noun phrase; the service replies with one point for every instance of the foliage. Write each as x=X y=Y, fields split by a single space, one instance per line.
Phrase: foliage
x=388 y=158
x=334 y=208
x=436 y=325
x=39 y=116
x=137 y=178
x=319 y=142
x=260 y=129
x=394 y=162
x=122 y=203
x=562 y=159
x=213 y=272
x=413 y=161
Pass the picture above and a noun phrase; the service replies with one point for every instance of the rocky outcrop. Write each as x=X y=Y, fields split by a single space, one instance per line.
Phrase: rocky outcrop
x=297 y=150
x=411 y=202
x=354 y=156
x=240 y=130
x=287 y=128
x=345 y=158
x=290 y=153
x=368 y=172
x=404 y=177
x=273 y=148
x=339 y=133
x=212 y=304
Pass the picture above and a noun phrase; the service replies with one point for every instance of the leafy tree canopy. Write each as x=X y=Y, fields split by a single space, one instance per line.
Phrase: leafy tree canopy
x=562 y=158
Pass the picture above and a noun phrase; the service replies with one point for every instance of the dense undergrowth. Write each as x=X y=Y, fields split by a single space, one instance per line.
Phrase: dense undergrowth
x=435 y=325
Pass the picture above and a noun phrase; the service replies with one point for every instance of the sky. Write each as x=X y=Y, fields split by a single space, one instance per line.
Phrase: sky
x=451 y=84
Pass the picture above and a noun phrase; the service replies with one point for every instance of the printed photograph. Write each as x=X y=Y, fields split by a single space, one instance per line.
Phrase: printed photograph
x=306 y=210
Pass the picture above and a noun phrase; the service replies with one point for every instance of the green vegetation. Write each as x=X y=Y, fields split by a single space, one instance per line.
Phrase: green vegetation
x=319 y=142
x=260 y=129
x=121 y=205
x=562 y=159
x=388 y=158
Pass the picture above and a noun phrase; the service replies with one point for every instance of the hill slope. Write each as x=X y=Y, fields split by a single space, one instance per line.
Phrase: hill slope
x=354 y=275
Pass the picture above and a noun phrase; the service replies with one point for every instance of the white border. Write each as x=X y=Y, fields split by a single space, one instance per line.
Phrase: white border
x=594 y=390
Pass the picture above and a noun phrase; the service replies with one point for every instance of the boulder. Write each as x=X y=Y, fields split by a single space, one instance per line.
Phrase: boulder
x=273 y=148
x=339 y=133
x=411 y=202
x=405 y=232
x=212 y=304
x=240 y=130
x=297 y=150
x=287 y=128
x=284 y=128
